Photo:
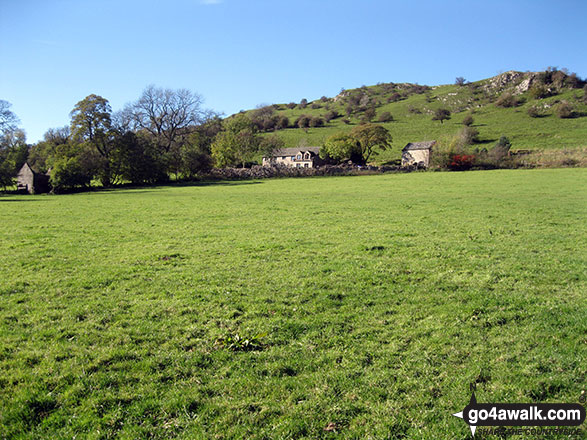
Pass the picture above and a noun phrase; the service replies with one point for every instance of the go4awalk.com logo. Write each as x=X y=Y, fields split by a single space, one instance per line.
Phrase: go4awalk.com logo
x=521 y=414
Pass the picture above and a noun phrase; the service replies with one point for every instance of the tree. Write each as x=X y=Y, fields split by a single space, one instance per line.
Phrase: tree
x=369 y=114
x=166 y=114
x=441 y=114
x=359 y=145
x=8 y=120
x=237 y=144
x=370 y=138
x=91 y=123
x=340 y=147
x=13 y=148
x=460 y=81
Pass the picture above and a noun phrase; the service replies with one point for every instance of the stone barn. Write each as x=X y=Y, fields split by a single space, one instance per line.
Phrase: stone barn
x=32 y=182
x=417 y=154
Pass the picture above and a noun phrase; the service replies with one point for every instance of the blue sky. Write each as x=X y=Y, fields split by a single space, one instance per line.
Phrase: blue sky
x=241 y=53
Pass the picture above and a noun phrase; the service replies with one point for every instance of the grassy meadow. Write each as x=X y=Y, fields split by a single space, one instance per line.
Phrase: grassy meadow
x=370 y=304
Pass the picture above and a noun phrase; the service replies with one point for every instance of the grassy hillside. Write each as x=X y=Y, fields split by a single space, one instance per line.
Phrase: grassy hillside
x=413 y=109
x=378 y=300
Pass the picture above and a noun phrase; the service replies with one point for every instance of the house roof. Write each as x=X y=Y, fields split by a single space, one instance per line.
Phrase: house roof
x=294 y=151
x=427 y=145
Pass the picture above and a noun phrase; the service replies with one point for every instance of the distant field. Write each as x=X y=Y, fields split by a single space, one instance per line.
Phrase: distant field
x=378 y=300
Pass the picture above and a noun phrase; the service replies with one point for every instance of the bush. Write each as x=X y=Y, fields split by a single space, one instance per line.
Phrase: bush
x=303 y=121
x=303 y=103
x=329 y=116
x=369 y=114
x=315 y=105
x=565 y=110
x=291 y=105
x=316 y=122
x=461 y=162
x=468 y=136
x=468 y=121
x=507 y=100
x=535 y=111
x=282 y=122
x=539 y=91
x=385 y=117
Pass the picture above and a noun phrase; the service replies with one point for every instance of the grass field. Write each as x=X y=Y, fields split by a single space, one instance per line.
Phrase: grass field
x=378 y=300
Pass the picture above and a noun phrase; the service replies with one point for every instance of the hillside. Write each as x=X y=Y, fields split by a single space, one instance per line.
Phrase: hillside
x=412 y=107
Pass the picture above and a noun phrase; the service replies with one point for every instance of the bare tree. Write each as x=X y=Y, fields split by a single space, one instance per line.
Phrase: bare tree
x=8 y=120
x=166 y=114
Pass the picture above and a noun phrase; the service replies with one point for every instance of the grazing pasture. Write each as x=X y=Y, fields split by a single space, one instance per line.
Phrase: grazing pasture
x=342 y=307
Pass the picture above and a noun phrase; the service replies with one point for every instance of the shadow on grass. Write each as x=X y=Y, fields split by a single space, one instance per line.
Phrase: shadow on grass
x=22 y=200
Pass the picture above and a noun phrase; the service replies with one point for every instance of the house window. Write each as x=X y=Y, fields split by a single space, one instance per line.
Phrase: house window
x=299 y=157
x=293 y=158
x=298 y=165
x=282 y=157
x=306 y=165
x=307 y=156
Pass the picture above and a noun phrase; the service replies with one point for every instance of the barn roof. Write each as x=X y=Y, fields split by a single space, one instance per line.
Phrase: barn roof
x=294 y=151
x=427 y=145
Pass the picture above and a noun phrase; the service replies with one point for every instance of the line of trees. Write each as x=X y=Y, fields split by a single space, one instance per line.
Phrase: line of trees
x=164 y=133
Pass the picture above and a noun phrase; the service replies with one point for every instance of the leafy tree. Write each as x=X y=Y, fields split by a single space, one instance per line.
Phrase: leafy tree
x=441 y=114
x=460 y=81
x=303 y=103
x=137 y=159
x=303 y=121
x=91 y=123
x=359 y=145
x=340 y=147
x=237 y=144
x=42 y=151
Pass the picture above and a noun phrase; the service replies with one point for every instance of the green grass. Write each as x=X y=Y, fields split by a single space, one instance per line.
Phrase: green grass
x=381 y=298
x=525 y=132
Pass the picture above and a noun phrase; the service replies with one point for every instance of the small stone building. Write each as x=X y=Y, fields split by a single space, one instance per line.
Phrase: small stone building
x=32 y=182
x=299 y=157
x=417 y=154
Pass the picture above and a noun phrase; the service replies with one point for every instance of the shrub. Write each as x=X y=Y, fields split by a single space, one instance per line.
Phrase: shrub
x=303 y=121
x=539 y=91
x=303 y=103
x=329 y=116
x=385 y=117
x=468 y=136
x=414 y=110
x=346 y=121
x=369 y=114
x=535 y=111
x=461 y=162
x=316 y=121
x=291 y=105
x=468 y=121
x=507 y=100
x=282 y=122
x=394 y=97
x=565 y=110
x=324 y=99
x=315 y=105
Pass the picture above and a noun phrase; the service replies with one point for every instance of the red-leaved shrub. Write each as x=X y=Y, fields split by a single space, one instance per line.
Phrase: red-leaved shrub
x=461 y=162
